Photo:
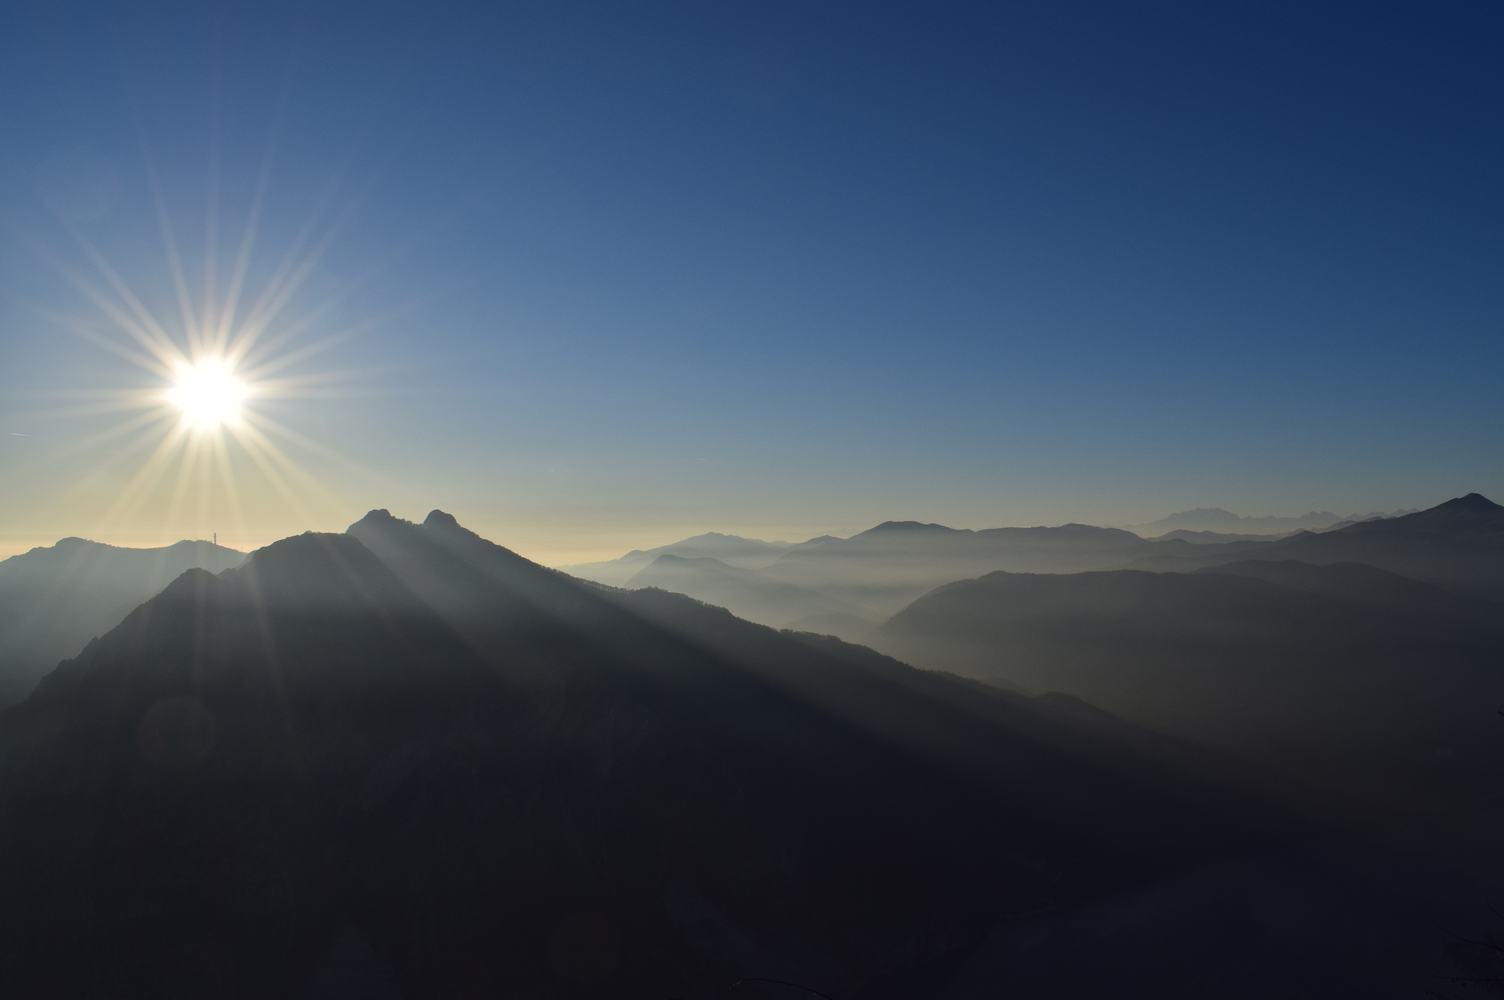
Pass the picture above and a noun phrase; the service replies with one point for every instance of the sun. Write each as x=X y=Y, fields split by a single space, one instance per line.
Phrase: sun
x=219 y=378
x=208 y=394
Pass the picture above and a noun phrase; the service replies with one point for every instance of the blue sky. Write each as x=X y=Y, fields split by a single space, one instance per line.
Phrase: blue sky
x=616 y=273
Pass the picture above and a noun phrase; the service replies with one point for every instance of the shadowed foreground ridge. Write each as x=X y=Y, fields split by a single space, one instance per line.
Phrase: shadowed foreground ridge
x=406 y=761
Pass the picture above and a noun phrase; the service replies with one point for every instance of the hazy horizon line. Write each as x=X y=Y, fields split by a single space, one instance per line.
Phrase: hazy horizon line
x=559 y=553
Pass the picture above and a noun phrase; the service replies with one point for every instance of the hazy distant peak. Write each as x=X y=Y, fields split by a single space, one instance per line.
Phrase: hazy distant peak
x=1223 y=521
x=1470 y=513
x=732 y=550
x=1226 y=516
x=440 y=519
x=671 y=559
x=75 y=547
x=71 y=544
x=1205 y=514
x=1077 y=529
x=722 y=542
x=199 y=545
x=1471 y=501
x=896 y=527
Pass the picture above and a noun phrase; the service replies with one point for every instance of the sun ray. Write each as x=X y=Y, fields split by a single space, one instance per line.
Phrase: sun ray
x=158 y=346
x=275 y=454
x=260 y=450
x=128 y=500
x=145 y=361
x=262 y=311
x=252 y=227
x=132 y=446
x=187 y=464
x=147 y=323
x=249 y=360
x=269 y=427
x=226 y=470
x=189 y=437
x=297 y=267
x=174 y=258
x=139 y=422
x=211 y=229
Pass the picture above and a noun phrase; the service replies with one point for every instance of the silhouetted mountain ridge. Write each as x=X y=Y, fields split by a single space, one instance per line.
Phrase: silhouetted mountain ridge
x=414 y=738
x=54 y=599
x=1472 y=512
x=733 y=550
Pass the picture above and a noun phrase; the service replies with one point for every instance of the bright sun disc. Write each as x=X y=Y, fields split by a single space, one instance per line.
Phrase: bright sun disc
x=208 y=394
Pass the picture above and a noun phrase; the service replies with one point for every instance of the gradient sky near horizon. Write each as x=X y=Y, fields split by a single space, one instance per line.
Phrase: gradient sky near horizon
x=597 y=276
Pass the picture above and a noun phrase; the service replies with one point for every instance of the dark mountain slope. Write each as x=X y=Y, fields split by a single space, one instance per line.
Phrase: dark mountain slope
x=187 y=803
x=1357 y=680
x=702 y=654
x=409 y=759
x=54 y=600
x=1473 y=514
x=1403 y=601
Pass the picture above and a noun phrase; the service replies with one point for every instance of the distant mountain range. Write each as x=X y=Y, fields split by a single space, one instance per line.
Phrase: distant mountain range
x=845 y=586
x=731 y=550
x=1186 y=647
x=55 y=599
x=1215 y=520
x=1323 y=653
x=1458 y=545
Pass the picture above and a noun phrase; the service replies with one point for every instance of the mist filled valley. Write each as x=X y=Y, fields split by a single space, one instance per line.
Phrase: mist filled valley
x=404 y=760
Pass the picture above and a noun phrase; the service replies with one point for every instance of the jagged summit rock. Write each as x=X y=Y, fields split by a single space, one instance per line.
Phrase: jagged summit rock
x=379 y=515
